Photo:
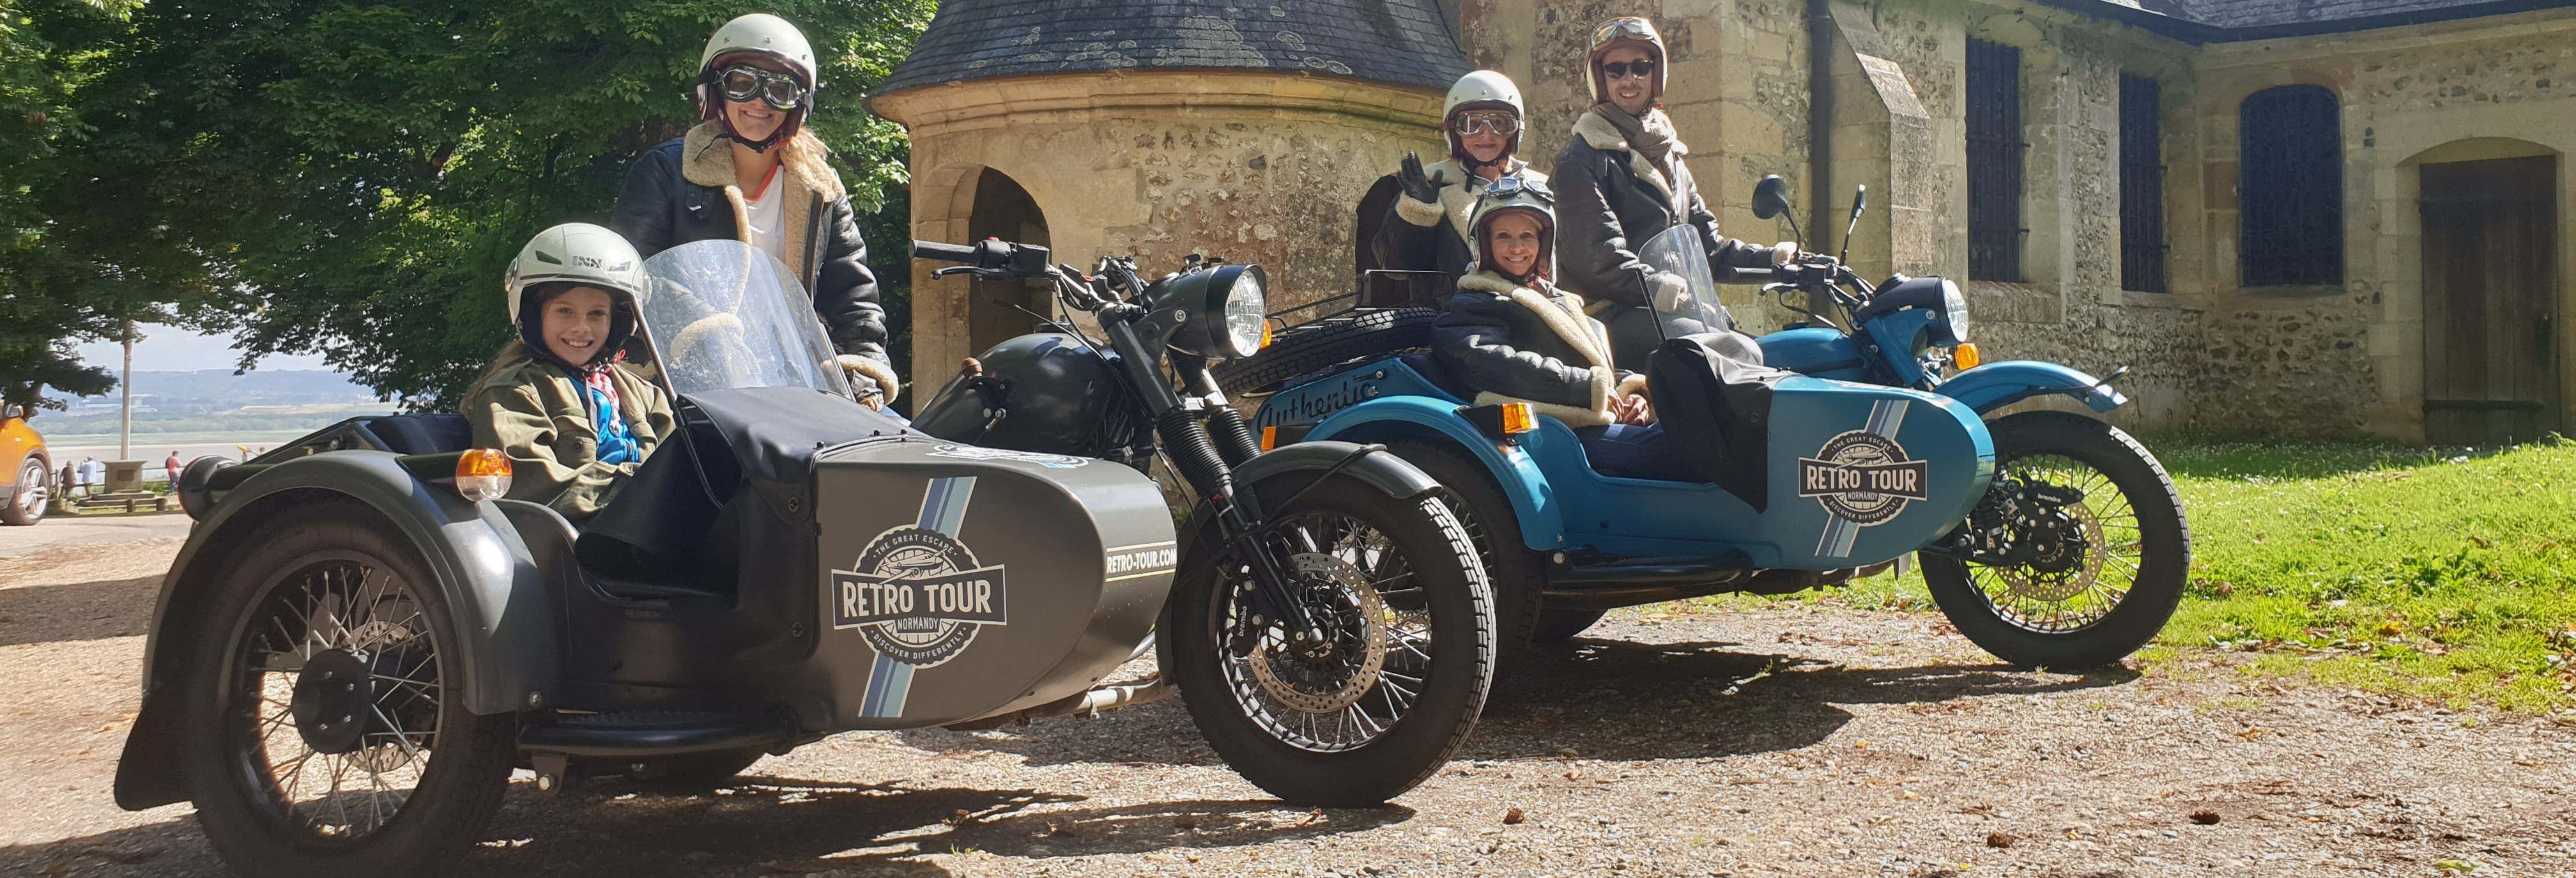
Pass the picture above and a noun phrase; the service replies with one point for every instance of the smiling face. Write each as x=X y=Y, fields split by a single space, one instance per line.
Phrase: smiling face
x=576 y=324
x=1512 y=242
x=1631 y=93
x=753 y=119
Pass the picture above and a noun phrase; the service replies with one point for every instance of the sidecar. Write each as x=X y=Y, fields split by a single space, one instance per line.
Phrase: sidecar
x=362 y=637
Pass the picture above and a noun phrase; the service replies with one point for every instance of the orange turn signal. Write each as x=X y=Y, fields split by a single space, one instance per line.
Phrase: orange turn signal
x=1518 y=419
x=483 y=474
x=1265 y=335
x=1269 y=435
x=1966 y=357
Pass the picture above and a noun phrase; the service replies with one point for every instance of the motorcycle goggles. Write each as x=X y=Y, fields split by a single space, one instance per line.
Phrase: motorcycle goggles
x=1631 y=27
x=743 y=83
x=1505 y=124
x=1616 y=70
x=1510 y=186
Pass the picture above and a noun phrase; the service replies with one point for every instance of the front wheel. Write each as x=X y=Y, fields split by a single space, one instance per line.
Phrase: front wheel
x=2089 y=563
x=325 y=729
x=1396 y=683
x=29 y=506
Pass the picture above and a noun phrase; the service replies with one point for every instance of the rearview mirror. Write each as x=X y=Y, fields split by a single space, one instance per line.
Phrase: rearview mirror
x=1770 y=197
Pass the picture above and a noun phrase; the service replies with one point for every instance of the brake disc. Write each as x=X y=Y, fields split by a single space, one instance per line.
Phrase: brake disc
x=2060 y=578
x=1351 y=590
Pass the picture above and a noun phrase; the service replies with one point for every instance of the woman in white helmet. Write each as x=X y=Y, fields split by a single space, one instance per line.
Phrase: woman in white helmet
x=1624 y=181
x=560 y=401
x=751 y=172
x=1426 y=229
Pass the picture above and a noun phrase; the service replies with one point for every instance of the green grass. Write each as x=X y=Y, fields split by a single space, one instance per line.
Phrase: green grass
x=2442 y=574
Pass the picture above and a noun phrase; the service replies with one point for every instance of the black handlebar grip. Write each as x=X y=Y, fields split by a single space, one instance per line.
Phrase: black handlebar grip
x=1755 y=276
x=943 y=252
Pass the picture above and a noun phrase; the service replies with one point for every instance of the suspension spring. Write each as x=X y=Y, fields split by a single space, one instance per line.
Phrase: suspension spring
x=1233 y=435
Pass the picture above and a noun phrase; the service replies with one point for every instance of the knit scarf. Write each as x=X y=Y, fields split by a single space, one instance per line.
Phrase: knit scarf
x=1651 y=135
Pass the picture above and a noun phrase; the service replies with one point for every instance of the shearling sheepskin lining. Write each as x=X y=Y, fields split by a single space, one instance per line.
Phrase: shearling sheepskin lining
x=706 y=159
x=1420 y=213
x=1576 y=331
x=870 y=368
x=1597 y=132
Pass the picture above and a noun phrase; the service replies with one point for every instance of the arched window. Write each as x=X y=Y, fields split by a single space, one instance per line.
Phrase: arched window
x=2290 y=187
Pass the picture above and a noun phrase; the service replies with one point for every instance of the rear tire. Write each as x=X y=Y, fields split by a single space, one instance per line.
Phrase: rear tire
x=34 y=485
x=1559 y=626
x=1424 y=567
x=1321 y=344
x=372 y=602
x=2144 y=508
x=1518 y=575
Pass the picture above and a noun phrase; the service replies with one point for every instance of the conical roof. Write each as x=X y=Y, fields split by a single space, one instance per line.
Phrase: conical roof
x=1406 y=42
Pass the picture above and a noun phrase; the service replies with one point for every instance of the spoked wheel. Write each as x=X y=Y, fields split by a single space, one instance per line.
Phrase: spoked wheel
x=2080 y=550
x=34 y=486
x=1391 y=688
x=326 y=735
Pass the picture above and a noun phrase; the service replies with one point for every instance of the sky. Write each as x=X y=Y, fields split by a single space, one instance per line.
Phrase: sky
x=172 y=349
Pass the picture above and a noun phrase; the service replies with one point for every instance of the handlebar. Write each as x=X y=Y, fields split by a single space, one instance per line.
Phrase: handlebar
x=939 y=252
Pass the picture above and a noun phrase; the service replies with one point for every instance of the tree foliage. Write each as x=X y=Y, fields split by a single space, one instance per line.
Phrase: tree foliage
x=351 y=178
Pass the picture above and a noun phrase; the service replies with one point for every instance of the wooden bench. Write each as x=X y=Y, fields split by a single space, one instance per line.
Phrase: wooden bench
x=129 y=500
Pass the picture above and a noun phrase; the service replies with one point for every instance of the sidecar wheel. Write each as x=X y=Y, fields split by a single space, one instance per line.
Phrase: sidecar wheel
x=1355 y=722
x=326 y=731
x=1518 y=576
x=2124 y=579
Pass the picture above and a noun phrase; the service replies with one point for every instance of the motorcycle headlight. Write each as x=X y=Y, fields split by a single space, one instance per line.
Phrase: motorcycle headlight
x=1227 y=307
x=1955 y=305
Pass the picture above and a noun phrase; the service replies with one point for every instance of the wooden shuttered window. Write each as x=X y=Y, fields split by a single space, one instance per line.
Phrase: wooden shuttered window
x=2289 y=187
x=2142 y=186
x=1995 y=152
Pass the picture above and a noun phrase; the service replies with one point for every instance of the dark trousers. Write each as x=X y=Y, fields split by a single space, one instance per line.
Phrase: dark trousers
x=1632 y=452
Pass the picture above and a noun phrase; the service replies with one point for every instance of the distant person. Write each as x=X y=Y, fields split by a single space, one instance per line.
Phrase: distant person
x=170 y=467
x=93 y=475
x=70 y=480
x=560 y=401
x=750 y=172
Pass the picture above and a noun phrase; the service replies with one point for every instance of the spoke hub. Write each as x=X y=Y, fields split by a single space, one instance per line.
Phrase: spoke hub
x=1325 y=676
x=333 y=701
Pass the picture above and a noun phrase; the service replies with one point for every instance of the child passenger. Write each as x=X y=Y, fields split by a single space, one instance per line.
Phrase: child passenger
x=560 y=401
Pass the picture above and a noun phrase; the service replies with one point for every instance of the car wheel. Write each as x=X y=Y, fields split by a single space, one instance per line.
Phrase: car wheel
x=34 y=487
x=325 y=726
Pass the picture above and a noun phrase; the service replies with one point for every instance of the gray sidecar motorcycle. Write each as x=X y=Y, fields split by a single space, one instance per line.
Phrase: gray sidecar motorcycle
x=361 y=640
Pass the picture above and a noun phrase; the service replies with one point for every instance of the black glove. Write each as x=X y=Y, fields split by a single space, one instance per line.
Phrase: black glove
x=1417 y=187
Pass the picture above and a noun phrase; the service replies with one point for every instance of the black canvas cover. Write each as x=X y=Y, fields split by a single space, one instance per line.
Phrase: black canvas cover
x=1712 y=394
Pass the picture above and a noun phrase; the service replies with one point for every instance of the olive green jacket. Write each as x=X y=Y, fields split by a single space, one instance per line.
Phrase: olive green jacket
x=533 y=411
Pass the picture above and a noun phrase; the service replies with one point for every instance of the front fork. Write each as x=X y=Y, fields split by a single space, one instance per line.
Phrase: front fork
x=1195 y=456
x=2015 y=524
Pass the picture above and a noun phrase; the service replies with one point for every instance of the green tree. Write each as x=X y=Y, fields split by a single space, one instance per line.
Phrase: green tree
x=353 y=177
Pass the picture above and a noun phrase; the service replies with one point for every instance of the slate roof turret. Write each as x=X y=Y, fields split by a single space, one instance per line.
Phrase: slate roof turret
x=1405 y=42
x=2227 y=21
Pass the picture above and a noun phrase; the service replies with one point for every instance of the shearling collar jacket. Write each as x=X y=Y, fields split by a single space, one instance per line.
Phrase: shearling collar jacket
x=539 y=415
x=1529 y=343
x=684 y=191
x=1421 y=236
x=1611 y=201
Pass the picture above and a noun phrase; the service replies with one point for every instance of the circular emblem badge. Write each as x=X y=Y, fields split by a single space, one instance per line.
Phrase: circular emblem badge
x=1862 y=451
x=919 y=636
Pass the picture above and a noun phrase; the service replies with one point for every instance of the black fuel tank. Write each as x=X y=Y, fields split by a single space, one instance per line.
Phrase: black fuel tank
x=1044 y=392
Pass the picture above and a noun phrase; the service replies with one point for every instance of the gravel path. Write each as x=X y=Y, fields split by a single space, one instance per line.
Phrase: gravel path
x=1785 y=741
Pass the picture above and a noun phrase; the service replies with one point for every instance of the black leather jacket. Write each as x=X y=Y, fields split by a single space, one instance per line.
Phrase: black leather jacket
x=1515 y=343
x=682 y=191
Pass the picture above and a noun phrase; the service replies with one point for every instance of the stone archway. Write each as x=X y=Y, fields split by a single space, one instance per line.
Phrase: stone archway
x=1003 y=209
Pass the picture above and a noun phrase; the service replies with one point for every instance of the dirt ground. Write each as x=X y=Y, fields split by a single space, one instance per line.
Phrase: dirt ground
x=1786 y=741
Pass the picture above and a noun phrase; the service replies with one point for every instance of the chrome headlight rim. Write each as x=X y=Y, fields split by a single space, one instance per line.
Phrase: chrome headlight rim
x=1243 y=310
x=1954 y=306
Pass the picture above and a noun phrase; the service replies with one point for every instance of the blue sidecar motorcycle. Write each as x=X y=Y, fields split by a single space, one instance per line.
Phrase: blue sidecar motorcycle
x=363 y=637
x=1828 y=452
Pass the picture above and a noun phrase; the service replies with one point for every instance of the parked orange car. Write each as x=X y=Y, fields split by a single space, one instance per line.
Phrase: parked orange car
x=26 y=468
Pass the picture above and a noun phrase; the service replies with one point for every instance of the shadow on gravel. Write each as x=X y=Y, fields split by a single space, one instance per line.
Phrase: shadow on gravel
x=87 y=611
x=765 y=826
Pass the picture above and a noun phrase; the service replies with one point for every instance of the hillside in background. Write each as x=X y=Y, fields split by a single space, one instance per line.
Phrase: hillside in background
x=218 y=401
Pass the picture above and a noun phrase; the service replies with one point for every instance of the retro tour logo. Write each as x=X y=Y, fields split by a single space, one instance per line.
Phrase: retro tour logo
x=919 y=596
x=1863 y=477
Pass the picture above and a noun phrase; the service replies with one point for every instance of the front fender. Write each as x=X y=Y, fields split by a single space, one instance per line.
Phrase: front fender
x=506 y=658
x=1385 y=472
x=1388 y=418
x=1995 y=385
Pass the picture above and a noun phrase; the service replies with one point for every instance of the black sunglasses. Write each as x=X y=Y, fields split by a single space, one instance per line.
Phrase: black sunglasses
x=1622 y=69
x=744 y=83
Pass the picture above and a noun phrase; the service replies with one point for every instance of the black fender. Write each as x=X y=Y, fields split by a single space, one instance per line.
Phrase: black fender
x=506 y=660
x=1368 y=463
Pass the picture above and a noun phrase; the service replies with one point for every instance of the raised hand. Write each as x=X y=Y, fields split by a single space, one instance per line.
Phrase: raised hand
x=1416 y=186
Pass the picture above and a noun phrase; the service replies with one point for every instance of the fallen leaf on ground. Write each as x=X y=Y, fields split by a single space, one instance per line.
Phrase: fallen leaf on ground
x=1513 y=816
x=2204 y=818
x=2001 y=840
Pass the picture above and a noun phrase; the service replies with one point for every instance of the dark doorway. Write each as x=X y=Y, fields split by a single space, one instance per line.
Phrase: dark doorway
x=1004 y=210
x=2490 y=282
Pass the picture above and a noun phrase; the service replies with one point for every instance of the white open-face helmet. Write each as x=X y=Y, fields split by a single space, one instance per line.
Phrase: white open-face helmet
x=761 y=33
x=1481 y=90
x=578 y=253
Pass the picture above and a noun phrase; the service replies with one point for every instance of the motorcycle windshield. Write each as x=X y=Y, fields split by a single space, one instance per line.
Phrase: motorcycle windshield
x=1683 y=292
x=723 y=315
